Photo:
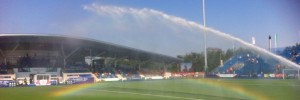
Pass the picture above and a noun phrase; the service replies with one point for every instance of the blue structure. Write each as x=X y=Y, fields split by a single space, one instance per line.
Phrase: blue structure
x=249 y=63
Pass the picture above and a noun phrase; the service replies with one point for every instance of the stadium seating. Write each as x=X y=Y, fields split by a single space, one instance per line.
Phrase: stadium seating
x=292 y=53
x=77 y=68
x=247 y=63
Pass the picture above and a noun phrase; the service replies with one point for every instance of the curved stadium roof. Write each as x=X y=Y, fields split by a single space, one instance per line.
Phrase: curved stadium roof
x=70 y=44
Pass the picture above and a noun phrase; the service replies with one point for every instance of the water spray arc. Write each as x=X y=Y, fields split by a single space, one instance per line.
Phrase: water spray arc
x=263 y=51
x=289 y=63
x=140 y=15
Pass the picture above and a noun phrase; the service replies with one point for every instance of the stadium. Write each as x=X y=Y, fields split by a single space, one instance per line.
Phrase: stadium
x=72 y=64
x=149 y=49
x=62 y=58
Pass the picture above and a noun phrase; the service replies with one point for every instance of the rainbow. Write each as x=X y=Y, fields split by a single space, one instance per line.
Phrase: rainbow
x=70 y=89
x=219 y=86
x=235 y=88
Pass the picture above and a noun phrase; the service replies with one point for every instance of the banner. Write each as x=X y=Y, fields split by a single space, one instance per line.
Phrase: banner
x=260 y=75
x=266 y=75
x=6 y=83
x=291 y=76
x=227 y=75
x=83 y=78
x=279 y=75
x=244 y=76
x=272 y=75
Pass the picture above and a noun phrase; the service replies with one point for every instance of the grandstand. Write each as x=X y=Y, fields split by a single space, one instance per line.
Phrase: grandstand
x=252 y=64
x=292 y=53
x=246 y=63
x=25 y=55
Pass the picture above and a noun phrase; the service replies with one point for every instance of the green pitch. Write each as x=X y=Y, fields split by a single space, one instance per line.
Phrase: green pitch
x=180 y=89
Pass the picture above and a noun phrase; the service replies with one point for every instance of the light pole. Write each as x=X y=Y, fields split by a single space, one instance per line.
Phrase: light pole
x=205 y=48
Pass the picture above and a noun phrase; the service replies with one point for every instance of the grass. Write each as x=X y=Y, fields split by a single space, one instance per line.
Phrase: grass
x=180 y=89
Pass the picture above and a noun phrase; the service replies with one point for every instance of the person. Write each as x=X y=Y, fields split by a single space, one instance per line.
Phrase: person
x=25 y=81
x=57 y=81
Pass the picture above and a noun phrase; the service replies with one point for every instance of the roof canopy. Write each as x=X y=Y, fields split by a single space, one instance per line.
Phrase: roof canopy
x=82 y=46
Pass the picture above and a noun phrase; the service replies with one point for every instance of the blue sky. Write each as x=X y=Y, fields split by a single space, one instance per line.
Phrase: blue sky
x=143 y=24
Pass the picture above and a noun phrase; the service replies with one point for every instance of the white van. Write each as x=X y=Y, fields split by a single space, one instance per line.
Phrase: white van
x=40 y=79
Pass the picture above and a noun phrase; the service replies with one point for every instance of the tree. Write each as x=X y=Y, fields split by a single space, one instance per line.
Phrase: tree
x=214 y=56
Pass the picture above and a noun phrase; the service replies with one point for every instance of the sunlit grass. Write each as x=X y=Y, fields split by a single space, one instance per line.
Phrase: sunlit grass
x=180 y=89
